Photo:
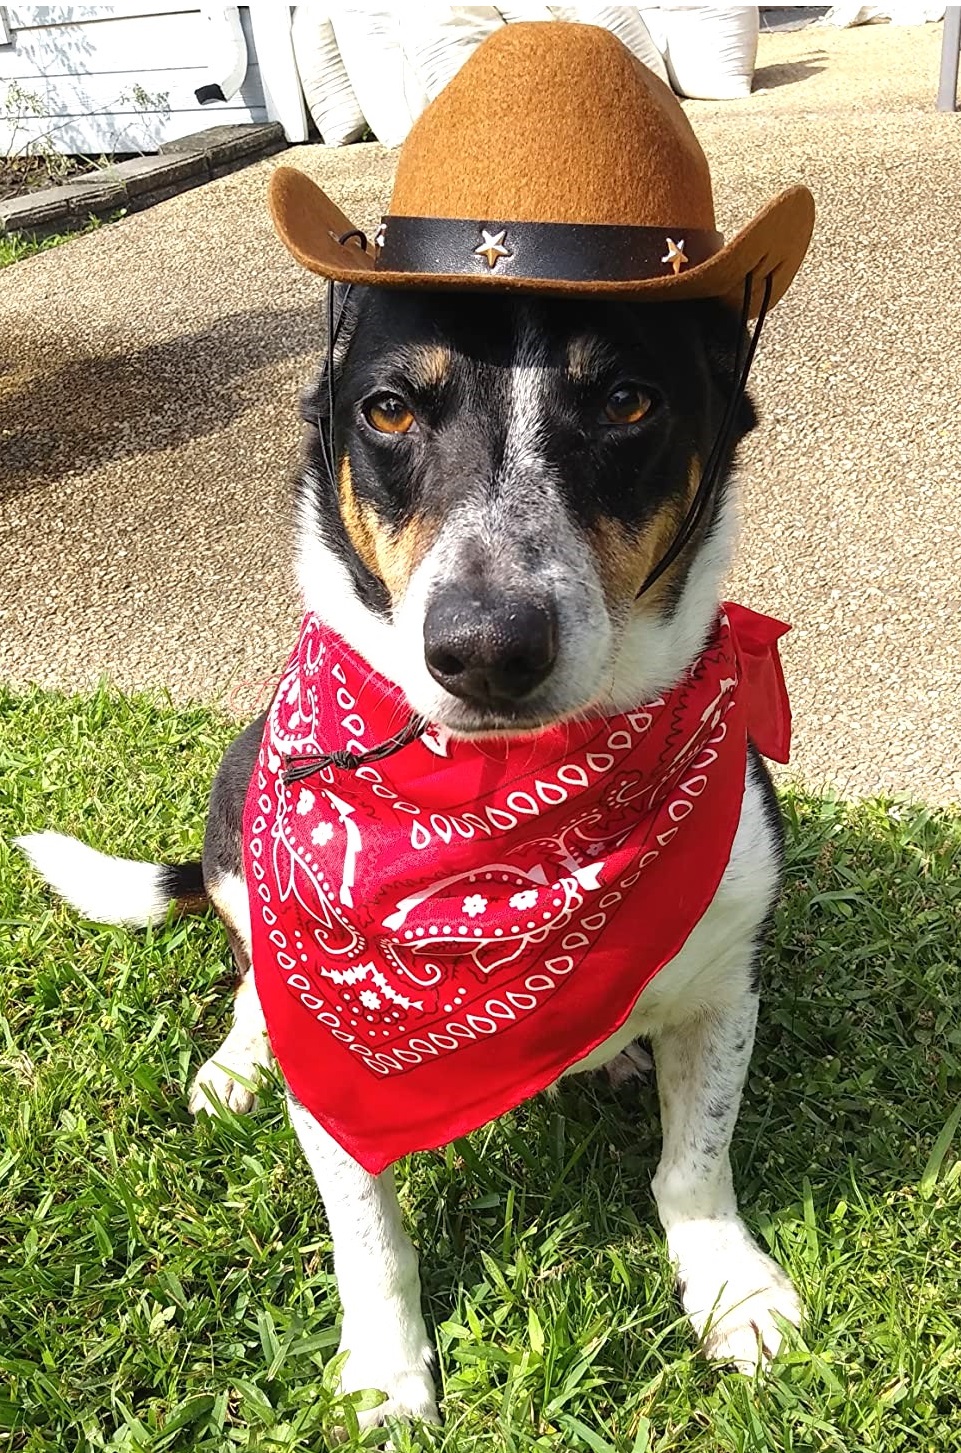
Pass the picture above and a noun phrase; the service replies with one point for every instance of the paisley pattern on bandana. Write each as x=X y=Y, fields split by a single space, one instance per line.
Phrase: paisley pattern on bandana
x=440 y=935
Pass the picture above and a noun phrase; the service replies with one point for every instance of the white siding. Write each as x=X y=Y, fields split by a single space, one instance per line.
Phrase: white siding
x=85 y=61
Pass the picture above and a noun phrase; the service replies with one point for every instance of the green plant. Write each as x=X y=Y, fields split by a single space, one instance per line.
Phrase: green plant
x=15 y=247
x=50 y=165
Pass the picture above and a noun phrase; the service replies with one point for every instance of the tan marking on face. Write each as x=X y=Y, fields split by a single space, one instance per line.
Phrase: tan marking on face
x=429 y=364
x=626 y=557
x=391 y=555
x=581 y=357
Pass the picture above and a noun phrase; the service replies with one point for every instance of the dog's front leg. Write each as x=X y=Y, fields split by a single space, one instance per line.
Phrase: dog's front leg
x=383 y=1328
x=729 y=1288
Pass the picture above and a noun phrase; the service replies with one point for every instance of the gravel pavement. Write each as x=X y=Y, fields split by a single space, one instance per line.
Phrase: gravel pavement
x=149 y=430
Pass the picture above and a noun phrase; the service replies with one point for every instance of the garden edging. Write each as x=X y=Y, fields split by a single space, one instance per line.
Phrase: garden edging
x=142 y=181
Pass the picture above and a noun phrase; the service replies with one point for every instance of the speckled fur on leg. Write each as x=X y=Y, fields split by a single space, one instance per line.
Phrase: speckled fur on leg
x=730 y=1290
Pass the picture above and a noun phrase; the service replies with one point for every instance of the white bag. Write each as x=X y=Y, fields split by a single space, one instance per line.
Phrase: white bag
x=710 y=49
x=385 y=84
x=910 y=12
x=625 y=22
x=438 y=39
x=327 y=90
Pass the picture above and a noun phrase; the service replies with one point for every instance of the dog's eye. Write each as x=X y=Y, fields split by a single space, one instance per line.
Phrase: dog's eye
x=388 y=414
x=627 y=404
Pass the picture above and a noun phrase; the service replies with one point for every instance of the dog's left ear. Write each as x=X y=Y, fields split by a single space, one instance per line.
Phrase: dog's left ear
x=746 y=416
x=721 y=326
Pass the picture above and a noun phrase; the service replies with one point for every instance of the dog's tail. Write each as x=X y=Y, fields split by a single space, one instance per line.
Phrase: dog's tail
x=114 y=890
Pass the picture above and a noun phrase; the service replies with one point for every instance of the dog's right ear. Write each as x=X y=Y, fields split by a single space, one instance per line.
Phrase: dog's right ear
x=314 y=401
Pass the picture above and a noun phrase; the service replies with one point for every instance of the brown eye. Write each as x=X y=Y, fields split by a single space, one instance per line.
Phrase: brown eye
x=388 y=414
x=626 y=405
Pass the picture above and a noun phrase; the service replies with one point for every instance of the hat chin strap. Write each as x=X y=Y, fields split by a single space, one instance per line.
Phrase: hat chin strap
x=711 y=473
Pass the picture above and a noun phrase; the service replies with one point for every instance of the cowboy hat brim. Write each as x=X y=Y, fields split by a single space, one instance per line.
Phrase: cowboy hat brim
x=771 y=246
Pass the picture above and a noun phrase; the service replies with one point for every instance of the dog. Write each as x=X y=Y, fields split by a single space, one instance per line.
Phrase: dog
x=508 y=471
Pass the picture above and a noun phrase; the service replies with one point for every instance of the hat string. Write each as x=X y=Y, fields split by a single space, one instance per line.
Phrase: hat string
x=711 y=472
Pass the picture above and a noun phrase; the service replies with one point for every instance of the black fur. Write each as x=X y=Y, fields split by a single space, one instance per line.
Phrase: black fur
x=774 y=819
x=182 y=882
x=771 y=807
x=223 y=851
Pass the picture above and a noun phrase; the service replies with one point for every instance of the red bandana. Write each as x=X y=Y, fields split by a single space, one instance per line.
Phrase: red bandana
x=437 y=937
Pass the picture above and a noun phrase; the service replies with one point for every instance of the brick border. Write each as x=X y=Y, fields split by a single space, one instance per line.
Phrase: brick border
x=142 y=181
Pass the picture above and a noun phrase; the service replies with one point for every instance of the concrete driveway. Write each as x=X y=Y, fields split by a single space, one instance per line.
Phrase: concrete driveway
x=149 y=429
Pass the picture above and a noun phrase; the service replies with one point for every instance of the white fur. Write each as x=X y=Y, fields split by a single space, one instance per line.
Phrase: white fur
x=229 y=896
x=106 y=889
x=383 y=1329
x=243 y=1054
x=524 y=438
x=647 y=653
x=246 y=1050
x=732 y=1291
x=327 y=591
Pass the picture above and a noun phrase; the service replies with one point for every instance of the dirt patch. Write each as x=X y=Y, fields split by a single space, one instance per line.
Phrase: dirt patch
x=20 y=175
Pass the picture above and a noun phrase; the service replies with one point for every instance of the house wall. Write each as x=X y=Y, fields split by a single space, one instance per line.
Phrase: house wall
x=85 y=64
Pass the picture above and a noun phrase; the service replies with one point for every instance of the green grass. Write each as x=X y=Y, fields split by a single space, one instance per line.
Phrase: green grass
x=15 y=246
x=169 y=1287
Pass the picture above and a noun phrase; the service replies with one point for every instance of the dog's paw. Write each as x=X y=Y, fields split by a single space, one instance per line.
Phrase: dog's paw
x=215 y=1081
x=733 y=1294
x=408 y=1389
x=633 y=1063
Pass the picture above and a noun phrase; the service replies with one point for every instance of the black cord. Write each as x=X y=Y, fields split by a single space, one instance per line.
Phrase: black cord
x=297 y=768
x=710 y=474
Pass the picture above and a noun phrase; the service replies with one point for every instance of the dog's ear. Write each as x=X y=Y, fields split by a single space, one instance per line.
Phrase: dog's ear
x=720 y=331
x=314 y=401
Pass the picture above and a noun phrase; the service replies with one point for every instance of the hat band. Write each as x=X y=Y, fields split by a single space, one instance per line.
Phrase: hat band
x=559 y=251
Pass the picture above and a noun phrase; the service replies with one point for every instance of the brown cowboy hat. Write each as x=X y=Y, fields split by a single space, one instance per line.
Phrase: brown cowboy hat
x=554 y=162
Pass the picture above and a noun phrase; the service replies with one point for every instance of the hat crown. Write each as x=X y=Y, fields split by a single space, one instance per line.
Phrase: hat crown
x=555 y=122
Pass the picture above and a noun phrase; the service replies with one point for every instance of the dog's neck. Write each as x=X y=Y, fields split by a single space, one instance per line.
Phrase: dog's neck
x=653 y=653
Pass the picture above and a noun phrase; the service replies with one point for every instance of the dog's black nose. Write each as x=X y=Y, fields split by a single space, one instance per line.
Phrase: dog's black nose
x=489 y=649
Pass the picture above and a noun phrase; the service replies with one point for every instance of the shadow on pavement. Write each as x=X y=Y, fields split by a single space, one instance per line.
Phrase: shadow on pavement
x=79 y=411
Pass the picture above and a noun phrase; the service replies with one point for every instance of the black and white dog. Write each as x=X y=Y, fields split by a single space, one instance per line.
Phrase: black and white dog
x=518 y=452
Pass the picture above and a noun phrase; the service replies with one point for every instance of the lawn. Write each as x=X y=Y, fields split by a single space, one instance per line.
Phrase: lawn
x=15 y=246
x=169 y=1287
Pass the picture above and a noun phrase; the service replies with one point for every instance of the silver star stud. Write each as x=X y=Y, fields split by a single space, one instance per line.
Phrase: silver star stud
x=675 y=254
x=492 y=246
x=380 y=236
